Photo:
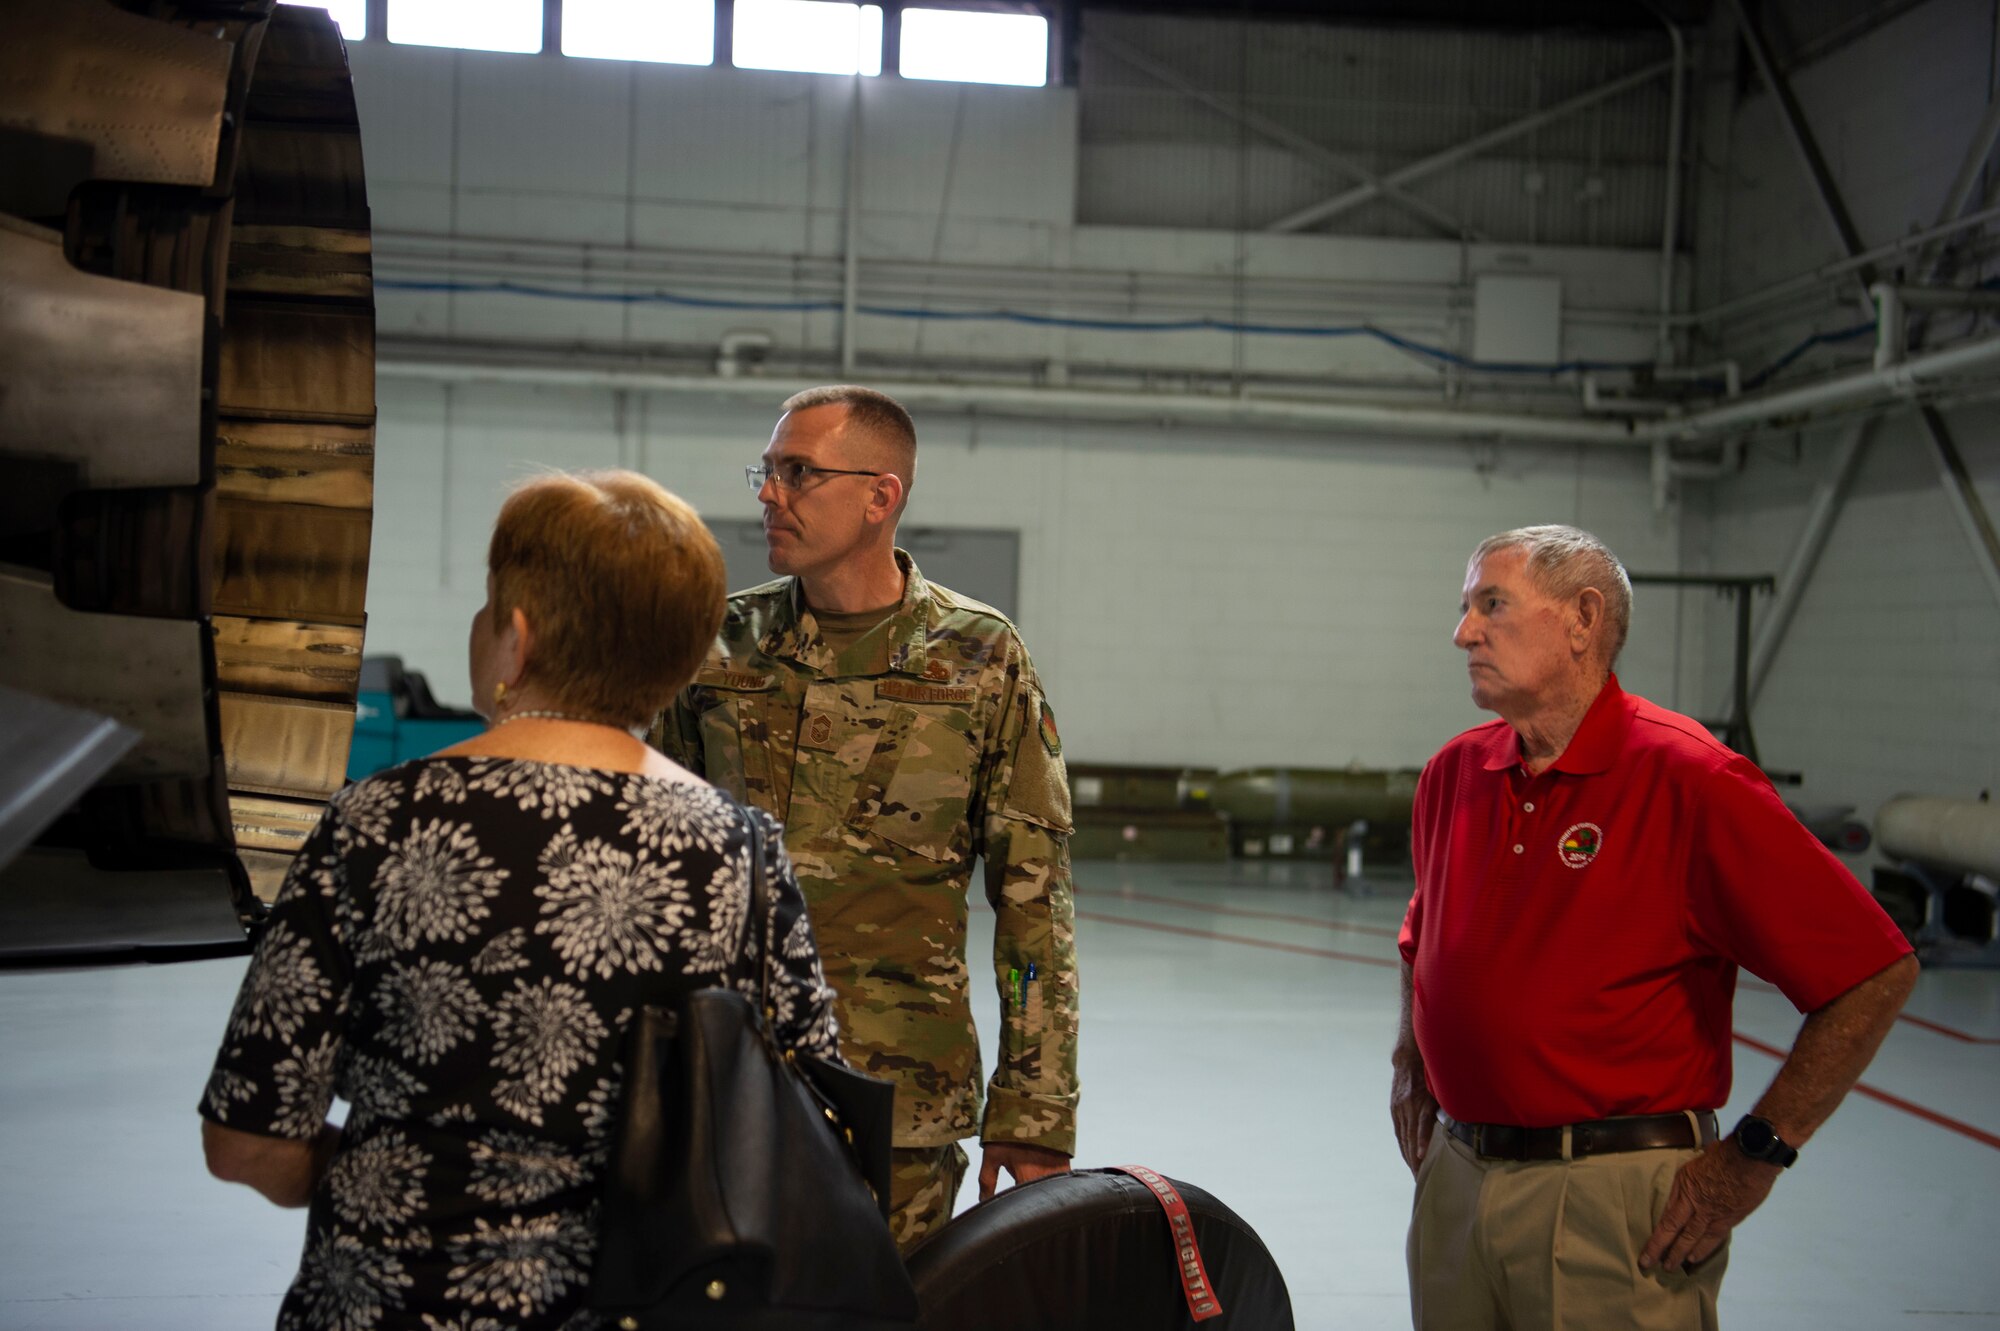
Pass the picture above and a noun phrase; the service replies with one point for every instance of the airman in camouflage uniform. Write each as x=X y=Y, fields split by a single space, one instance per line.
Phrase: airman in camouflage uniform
x=895 y=758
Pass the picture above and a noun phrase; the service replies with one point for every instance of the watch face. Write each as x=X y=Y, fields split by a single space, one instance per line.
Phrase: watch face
x=1757 y=1135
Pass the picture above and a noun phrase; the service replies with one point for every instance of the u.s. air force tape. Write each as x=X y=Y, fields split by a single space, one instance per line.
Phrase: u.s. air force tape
x=1201 y=1301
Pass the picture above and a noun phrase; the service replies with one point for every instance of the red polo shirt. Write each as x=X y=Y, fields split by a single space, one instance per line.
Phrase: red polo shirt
x=1575 y=936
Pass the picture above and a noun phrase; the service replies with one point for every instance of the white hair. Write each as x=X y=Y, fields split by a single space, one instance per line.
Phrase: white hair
x=1562 y=561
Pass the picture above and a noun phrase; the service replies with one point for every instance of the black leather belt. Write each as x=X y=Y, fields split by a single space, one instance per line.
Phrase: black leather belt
x=1641 y=1132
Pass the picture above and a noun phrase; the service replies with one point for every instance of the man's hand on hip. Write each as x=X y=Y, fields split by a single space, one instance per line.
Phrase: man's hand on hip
x=1025 y=1162
x=1712 y=1193
x=1413 y=1109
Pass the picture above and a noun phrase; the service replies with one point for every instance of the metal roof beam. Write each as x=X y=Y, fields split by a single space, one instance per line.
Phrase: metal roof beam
x=1472 y=147
x=1281 y=134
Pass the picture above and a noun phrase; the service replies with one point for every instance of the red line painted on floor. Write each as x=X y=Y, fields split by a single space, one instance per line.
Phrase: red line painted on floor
x=1894 y=1101
x=1237 y=938
x=1339 y=926
x=1373 y=931
x=1943 y=1029
x=1944 y=1121
x=1936 y=1027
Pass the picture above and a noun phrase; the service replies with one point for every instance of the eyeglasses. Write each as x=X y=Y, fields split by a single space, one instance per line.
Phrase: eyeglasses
x=793 y=475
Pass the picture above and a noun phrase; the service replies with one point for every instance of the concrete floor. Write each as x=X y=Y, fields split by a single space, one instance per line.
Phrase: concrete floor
x=1237 y=1022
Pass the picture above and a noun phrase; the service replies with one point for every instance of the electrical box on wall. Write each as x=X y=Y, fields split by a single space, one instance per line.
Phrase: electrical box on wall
x=1517 y=318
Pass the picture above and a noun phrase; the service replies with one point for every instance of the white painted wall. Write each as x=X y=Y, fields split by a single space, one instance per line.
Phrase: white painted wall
x=1189 y=599
x=1889 y=680
x=722 y=168
x=1201 y=597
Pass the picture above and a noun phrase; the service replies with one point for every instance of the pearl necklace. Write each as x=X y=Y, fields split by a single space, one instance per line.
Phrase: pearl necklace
x=546 y=714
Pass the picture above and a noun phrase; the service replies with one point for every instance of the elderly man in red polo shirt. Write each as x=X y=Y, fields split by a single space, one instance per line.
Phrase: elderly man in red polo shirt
x=1591 y=872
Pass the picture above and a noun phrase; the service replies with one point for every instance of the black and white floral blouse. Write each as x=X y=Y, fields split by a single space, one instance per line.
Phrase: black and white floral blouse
x=456 y=953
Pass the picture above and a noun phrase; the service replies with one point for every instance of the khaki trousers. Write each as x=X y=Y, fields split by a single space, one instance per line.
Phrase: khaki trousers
x=1552 y=1245
x=923 y=1184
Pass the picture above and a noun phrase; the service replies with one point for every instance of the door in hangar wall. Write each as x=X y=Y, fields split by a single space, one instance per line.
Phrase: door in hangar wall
x=981 y=562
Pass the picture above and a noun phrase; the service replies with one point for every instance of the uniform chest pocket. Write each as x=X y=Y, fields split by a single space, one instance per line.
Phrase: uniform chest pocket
x=918 y=782
x=735 y=742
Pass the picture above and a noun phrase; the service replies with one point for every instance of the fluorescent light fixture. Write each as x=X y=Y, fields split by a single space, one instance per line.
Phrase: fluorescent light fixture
x=471 y=25
x=968 y=47
x=809 y=36
x=351 y=15
x=679 y=32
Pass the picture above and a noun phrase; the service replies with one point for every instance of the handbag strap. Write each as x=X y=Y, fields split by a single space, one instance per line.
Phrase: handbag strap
x=760 y=913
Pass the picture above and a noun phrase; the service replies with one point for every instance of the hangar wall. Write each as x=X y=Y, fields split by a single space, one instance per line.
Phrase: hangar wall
x=1229 y=599
x=1202 y=595
x=1889 y=679
x=1192 y=594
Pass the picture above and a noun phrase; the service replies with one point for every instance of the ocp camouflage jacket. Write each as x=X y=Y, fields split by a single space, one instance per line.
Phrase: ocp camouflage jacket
x=893 y=766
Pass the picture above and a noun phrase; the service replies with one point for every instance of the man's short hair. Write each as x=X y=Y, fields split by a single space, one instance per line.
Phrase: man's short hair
x=878 y=416
x=623 y=586
x=1562 y=561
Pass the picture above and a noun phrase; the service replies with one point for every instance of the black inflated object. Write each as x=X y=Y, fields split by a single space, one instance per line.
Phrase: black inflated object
x=1090 y=1251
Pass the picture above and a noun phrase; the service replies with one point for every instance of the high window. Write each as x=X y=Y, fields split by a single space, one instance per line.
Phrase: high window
x=680 y=32
x=811 y=36
x=473 y=25
x=965 y=46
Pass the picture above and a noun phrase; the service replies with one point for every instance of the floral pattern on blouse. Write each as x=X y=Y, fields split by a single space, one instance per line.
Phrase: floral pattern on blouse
x=456 y=953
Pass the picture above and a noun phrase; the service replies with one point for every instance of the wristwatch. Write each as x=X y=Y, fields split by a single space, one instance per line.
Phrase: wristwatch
x=1756 y=1138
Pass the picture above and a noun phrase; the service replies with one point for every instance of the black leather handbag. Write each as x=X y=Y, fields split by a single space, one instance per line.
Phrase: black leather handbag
x=748 y=1185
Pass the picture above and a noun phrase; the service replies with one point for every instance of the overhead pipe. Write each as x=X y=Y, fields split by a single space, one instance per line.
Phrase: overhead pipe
x=1892 y=325
x=1036 y=403
x=1666 y=468
x=1902 y=380
x=850 y=262
x=1595 y=399
x=1946 y=298
x=1905 y=379
x=1729 y=371
x=1826 y=272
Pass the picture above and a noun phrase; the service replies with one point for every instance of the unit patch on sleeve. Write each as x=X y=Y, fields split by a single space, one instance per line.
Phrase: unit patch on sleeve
x=1051 y=738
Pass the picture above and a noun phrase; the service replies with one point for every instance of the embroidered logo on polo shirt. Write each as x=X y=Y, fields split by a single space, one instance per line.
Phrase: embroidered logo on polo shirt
x=1579 y=845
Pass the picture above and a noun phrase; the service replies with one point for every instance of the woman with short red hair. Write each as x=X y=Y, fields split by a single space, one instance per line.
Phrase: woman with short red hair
x=463 y=939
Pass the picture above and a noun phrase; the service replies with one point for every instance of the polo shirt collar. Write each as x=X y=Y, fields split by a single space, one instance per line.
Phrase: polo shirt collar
x=1594 y=747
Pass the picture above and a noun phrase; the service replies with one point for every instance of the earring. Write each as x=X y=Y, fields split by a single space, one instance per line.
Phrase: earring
x=499 y=693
